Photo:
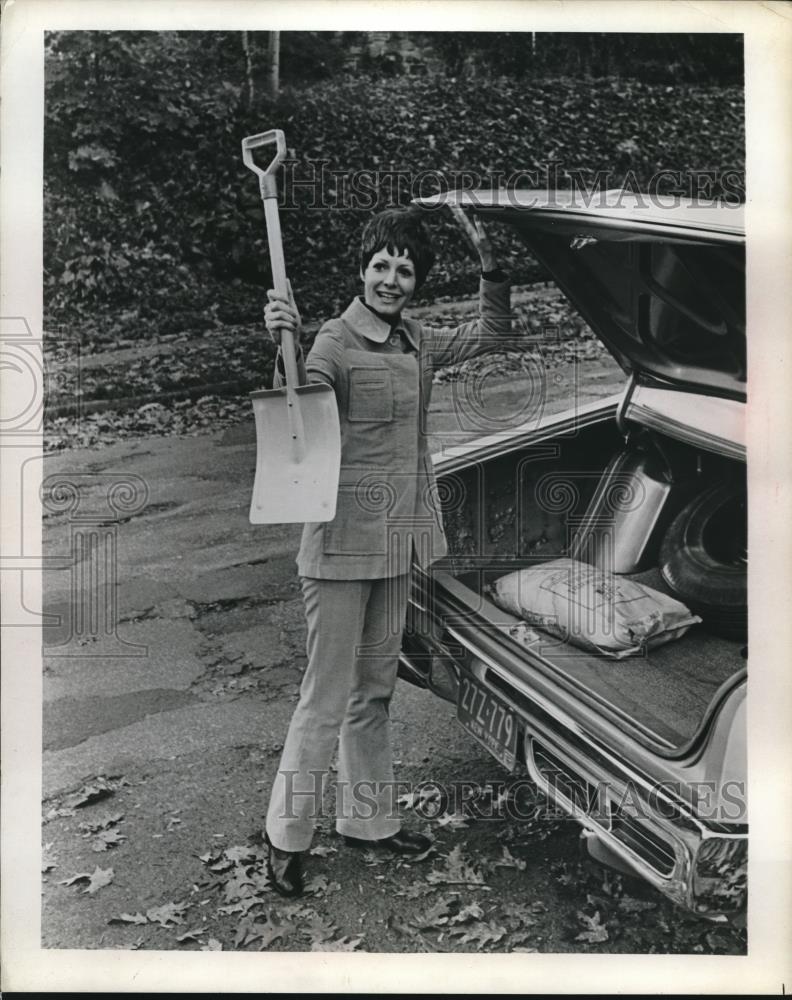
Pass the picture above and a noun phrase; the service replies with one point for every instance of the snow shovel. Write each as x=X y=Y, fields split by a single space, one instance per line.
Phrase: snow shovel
x=298 y=441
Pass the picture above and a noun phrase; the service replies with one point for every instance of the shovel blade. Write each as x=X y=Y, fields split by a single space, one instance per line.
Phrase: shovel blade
x=287 y=490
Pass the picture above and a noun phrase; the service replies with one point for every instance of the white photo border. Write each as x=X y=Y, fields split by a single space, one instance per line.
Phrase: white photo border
x=767 y=967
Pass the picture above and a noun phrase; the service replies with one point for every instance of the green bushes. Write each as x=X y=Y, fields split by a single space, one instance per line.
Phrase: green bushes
x=153 y=225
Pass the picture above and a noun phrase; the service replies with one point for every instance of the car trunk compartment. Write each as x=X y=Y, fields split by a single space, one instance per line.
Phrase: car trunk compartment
x=520 y=510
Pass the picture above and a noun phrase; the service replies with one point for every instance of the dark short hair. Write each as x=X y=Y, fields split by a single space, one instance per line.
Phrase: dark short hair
x=394 y=230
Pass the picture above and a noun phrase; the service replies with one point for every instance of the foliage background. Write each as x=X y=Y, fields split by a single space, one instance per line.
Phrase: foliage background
x=154 y=227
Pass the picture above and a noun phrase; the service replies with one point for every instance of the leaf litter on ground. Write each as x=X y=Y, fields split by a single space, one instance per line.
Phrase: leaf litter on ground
x=129 y=918
x=594 y=932
x=167 y=915
x=98 y=788
x=107 y=839
x=481 y=934
x=104 y=823
x=458 y=871
x=96 y=880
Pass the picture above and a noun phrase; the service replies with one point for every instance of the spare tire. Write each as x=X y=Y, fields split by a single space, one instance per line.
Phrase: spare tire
x=703 y=559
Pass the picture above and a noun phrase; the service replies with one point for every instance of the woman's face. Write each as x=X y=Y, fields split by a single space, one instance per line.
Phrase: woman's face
x=389 y=282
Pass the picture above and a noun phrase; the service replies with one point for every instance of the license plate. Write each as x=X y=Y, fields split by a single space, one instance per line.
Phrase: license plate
x=487 y=718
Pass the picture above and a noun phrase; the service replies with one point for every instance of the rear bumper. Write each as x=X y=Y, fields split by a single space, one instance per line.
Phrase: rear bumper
x=697 y=866
x=700 y=865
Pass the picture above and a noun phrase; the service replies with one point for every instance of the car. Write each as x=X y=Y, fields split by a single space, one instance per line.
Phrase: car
x=647 y=752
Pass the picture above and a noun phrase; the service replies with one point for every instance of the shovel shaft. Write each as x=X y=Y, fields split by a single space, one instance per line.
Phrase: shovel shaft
x=279 y=283
x=275 y=241
x=278 y=265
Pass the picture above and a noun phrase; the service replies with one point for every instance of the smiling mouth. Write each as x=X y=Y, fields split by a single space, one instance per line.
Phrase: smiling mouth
x=390 y=296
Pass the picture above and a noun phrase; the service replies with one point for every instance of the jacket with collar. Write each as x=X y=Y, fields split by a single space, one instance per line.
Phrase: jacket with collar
x=387 y=513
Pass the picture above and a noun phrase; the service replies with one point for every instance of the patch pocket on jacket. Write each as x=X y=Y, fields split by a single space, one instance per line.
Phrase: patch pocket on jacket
x=370 y=394
x=360 y=526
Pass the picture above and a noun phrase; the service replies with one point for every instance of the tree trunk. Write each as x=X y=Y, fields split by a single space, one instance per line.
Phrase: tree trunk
x=251 y=87
x=274 y=63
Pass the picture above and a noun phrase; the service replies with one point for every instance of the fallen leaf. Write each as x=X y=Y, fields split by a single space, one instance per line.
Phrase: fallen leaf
x=55 y=813
x=518 y=914
x=94 y=791
x=96 y=880
x=319 y=930
x=129 y=918
x=240 y=906
x=435 y=916
x=271 y=932
x=470 y=912
x=316 y=885
x=167 y=915
x=595 y=932
x=238 y=886
x=341 y=944
x=221 y=866
x=246 y=933
x=212 y=945
x=191 y=935
x=107 y=839
x=458 y=871
x=410 y=800
x=48 y=862
x=323 y=852
x=480 y=933
x=242 y=853
x=101 y=824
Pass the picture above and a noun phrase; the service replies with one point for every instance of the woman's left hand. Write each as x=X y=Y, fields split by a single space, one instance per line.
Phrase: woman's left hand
x=477 y=236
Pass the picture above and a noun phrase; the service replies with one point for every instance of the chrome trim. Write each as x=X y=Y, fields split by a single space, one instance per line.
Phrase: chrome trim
x=570 y=724
x=687 y=435
x=642 y=412
x=680 y=882
x=495 y=445
x=675 y=882
x=633 y=858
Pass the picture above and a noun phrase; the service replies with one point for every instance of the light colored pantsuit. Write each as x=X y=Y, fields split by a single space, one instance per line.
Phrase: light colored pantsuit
x=355 y=569
x=348 y=685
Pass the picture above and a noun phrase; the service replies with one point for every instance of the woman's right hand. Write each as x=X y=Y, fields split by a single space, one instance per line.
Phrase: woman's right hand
x=282 y=314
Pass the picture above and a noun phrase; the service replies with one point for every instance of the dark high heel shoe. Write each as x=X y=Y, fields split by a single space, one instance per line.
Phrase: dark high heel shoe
x=284 y=869
x=403 y=842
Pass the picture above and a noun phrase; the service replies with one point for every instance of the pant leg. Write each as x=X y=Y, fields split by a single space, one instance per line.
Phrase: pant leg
x=334 y=611
x=365 y=806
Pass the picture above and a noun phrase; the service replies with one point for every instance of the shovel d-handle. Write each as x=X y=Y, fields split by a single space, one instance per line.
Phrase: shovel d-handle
x=266 y=175
x=269 y=196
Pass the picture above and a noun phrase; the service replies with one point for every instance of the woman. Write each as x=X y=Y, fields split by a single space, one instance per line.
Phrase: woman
x=355 y=569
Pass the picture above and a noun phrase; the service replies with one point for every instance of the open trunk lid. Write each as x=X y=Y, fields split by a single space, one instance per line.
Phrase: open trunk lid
x=660 y=280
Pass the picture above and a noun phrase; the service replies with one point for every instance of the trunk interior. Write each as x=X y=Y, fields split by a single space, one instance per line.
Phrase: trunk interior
x=591 y=496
